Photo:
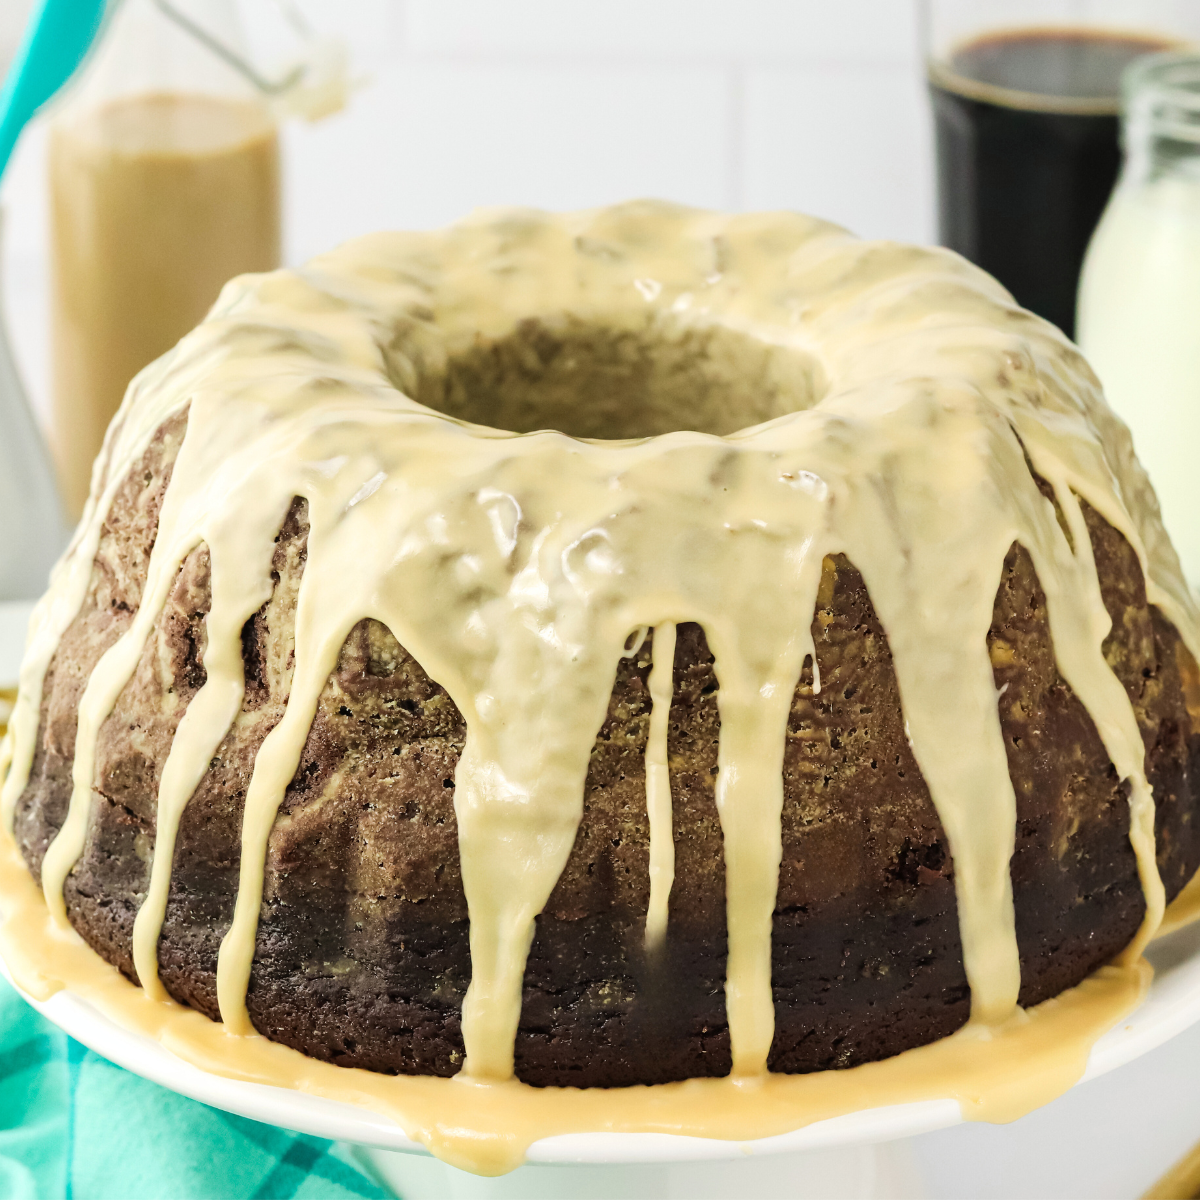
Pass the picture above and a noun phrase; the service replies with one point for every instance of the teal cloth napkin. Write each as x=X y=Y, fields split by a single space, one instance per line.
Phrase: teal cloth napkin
x=75 y=1127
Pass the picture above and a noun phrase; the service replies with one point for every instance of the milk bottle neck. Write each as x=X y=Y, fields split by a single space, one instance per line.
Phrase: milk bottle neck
x=1161 y=119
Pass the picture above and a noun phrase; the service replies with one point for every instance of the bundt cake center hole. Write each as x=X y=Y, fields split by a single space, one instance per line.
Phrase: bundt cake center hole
x=608 y=382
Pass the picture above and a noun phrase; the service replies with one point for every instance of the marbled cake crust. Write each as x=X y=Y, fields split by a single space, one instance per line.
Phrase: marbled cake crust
x=362 y=948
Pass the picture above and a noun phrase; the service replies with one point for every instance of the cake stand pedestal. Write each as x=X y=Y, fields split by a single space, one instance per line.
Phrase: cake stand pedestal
x=880 y=1171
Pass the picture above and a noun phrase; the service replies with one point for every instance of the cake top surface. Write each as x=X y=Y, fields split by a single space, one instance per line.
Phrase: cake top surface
x=525 y=437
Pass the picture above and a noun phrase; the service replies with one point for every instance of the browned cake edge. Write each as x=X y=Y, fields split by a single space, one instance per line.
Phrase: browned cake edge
x=362 y=955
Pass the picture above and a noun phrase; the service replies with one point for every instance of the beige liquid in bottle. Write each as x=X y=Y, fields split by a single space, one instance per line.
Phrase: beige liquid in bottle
x=157 y=200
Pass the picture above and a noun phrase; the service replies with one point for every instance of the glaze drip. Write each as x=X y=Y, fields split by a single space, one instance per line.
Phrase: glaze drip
x=904 y=399
x=658 y=786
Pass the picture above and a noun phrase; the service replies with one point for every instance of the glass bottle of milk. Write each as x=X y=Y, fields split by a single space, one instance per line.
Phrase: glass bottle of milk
x=164 y=183
x=1139 y=296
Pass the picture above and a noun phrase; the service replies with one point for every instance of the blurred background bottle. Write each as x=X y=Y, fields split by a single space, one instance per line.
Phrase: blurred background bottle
x=1026 y=97
x=32 y=527
x=1139 y=297
x=164 y=183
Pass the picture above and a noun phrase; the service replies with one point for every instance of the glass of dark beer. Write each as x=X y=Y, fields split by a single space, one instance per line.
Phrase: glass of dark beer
x=1026 y=96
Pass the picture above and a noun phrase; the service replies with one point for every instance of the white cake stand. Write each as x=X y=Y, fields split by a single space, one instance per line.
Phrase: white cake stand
x=845 y=1156
x=859 y=1156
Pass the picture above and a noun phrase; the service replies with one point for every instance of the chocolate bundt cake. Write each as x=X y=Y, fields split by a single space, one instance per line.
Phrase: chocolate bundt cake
x=610 y=649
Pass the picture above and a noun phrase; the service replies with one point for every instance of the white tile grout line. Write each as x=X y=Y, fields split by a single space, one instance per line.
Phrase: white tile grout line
x=399 y=29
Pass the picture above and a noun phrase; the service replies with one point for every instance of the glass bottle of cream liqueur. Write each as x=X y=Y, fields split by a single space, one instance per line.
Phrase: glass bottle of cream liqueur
x=1139 y=297
x=164 y=183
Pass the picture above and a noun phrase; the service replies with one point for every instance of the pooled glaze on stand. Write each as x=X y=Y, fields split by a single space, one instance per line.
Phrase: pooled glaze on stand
x=904 y=405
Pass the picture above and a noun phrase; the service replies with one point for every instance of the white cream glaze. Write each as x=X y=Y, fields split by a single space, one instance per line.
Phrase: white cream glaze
x=658 y=785
x=514 y=568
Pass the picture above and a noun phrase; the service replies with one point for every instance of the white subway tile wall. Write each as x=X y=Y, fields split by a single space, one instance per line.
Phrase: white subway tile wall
x=815 y=105
x=429 y=141
x=846 y=141
x=791 y=31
